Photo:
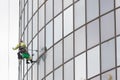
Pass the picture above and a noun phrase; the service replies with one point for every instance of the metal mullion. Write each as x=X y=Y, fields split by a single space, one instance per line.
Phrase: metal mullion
x=32 y=41
x=53 y=38
x=73 y=40
x=63 y=39
x=115 y=33
x=45 y=38
x=38 y=42
x=27 y=29
x=100 y=42
x=86 y=37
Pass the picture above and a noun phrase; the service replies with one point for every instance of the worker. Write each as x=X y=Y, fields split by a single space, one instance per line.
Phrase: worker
x=22 y=49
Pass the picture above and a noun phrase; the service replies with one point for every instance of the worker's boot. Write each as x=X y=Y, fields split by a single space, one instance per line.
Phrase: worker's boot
x=27 y=62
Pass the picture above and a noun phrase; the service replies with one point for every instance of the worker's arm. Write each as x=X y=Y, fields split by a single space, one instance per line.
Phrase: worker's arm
x=17 y=46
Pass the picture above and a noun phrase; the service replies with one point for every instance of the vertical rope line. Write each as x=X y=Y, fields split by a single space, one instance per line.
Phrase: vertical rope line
x=8 y=33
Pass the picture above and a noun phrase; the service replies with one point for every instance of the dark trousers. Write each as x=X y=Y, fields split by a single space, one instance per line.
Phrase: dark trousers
x=21 y=50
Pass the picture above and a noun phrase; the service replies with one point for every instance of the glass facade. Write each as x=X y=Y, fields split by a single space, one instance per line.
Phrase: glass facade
x=70 y=39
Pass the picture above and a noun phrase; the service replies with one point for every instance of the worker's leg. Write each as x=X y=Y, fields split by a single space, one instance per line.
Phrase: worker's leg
x=19 y=56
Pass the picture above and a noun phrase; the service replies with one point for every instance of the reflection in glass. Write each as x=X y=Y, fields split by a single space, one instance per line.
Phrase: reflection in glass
x=68 y=71
x=57 y=6
x=118 y=50
x=58 y=54
x=49 y=10
x=49 y=35
x=68 y=20
x=118 y=21
x=92 y=9
x=80 y=40
x=106 y=5
x=67 y=3
x=68 y=47
x=79 y=13
x=107 y=26
x=57 y=28
x=93 y=62
x=93 y=33
x=108 y=55
x=49 y=61
x=58 y=74
x=109 y=75
x=80 y=67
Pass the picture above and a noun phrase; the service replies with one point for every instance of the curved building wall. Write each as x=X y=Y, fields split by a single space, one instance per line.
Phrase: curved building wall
x=80 y=39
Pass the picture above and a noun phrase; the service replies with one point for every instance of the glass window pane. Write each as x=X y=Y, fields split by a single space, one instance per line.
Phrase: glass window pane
x=107 y=26
x=93 y=33
x=35 y=4
x=41 y=2
x=109 y=75
x=67 y=3
x=68 y=71
x=29 y=32
x=117 y=3
x=108 y=55
x=118 y=51
x=35 y=72
x=58 y=74
x=118 y=21
x=57 y=28
x=79 y=13
x=26 y=17
x=106 y=5
x=49 y=10
x=118 y=74
x=41 y=69
x=41 y=17
x=57 y=6
x=35 y=48
x=92 y=9
x=30 y=9
x=80 y=67
x=68 y=20
x=68 y=47
x=93 y=62
x=58 y=54
x=49 y=61
x=96 y=78
x=35 y=29
x=80 y=40
x=49 y=77
x=41 y=40
x=49 y=35
x=29 y=75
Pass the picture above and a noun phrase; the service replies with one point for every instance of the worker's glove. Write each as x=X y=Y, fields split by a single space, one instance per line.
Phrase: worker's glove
x=13 y=48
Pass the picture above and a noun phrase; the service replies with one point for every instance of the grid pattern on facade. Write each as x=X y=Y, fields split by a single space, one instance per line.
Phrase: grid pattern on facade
x=80 y=38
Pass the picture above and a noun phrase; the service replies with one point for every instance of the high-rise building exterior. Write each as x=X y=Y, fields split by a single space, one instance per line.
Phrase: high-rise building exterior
x=70 y=39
